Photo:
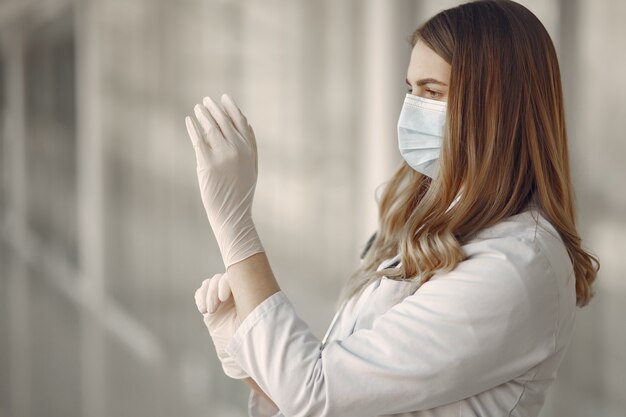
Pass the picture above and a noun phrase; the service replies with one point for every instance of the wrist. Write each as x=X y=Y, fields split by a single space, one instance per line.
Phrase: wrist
x=239 y=242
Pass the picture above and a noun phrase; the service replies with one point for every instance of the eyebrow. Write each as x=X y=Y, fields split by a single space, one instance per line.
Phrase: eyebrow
x=427 y=81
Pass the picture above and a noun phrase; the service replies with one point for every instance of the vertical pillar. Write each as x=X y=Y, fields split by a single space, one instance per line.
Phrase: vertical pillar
x=90 y=198
x=15 y=160
x=385 y=28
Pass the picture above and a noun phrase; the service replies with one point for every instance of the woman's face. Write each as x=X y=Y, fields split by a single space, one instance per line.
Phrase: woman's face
x=428 y=74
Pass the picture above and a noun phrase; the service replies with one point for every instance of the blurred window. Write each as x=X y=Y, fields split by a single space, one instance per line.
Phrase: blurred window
x=49 y=65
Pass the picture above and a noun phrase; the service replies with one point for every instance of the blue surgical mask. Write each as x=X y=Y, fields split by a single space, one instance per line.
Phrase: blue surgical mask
x=420 y=133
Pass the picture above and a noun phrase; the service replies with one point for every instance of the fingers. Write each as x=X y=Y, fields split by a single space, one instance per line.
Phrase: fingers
x=224 y=291
x=222 y=119
x=212 y=300
x=218 y=126
x=252 y=137
x=252 y=140
x=239 y=120
x=194 y=133
x=200 y=296
x=211 y=129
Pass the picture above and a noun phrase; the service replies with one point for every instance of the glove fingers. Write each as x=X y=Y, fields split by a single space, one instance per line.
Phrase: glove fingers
x=252 y=138
x=224 y=290
x=212 y=301
x=214 y=135
x=239 y=119
x=200 y=145
x=222 y=119
x=235 y=114
x=194 y=133
x=200 y=296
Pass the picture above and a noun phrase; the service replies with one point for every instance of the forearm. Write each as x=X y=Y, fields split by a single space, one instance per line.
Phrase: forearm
x=251 y=282
x=258 y=389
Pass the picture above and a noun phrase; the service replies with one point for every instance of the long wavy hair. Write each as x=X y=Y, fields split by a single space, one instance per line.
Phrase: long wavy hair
x=505 y=146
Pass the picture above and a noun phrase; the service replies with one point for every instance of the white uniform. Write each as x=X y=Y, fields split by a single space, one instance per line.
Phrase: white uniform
x=485 y=339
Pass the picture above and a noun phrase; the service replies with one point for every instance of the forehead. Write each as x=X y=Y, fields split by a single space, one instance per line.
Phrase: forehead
x=425 y=63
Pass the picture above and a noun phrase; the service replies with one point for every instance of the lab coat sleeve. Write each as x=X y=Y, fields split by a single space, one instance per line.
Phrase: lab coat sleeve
x=486 y=322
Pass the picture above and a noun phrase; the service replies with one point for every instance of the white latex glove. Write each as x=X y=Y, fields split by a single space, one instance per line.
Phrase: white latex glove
x=226 y=157
x=215 y=302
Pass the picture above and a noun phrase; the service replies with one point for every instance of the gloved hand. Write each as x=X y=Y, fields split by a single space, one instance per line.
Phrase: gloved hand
x=215 y=302
x=226 y=157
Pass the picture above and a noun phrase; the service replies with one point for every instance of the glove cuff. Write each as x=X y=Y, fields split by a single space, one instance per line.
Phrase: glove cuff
x=243 y=244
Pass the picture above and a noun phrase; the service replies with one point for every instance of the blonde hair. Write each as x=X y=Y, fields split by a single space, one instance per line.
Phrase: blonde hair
x=505 y=145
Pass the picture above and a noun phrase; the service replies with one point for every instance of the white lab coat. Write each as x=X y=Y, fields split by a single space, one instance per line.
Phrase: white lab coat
x=484 y=339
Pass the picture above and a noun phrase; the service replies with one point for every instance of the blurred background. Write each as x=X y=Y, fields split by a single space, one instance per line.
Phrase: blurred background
x=103 y=237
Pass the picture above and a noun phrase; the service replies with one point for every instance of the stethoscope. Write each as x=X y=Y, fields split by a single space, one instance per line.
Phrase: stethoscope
x=338 y=313
x=332 y=326
x=394 y=262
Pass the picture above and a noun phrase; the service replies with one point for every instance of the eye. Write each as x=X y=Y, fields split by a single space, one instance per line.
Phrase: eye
x=433 y=93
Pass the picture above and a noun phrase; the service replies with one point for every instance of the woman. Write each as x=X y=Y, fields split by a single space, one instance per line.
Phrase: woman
x=464 y=301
